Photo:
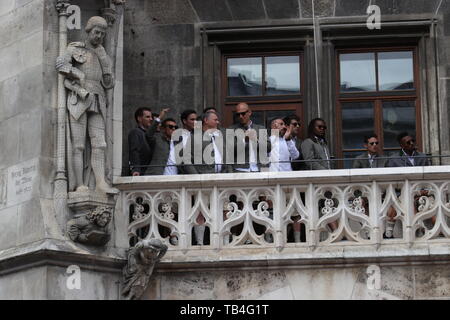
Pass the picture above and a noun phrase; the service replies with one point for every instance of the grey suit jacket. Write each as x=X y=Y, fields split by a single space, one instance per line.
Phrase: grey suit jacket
x=160 y=147
x=193 y=168
x=362 y=161
x=399 y=159
x=246 y=165
x=298 y=165
x=313 y=150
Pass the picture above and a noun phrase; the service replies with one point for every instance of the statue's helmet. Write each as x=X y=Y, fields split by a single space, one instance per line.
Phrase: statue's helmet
x=96 y=21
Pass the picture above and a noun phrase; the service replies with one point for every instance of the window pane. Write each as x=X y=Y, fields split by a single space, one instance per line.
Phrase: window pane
x=357 y=72
x=398 y=116
x=357 y=122
x=244 y=76
x=395 y=70
x=282 y=75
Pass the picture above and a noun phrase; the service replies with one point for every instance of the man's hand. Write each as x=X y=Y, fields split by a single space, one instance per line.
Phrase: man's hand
x=163 y=112
x=288 y=134
x=136 y=174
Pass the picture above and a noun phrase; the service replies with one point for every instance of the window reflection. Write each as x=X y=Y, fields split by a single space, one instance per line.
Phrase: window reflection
x=244 y=76
x=357 y=72
x=395 y=70
x=357 y=122
x=398 y=116
x=266 y=116
x=282 y=75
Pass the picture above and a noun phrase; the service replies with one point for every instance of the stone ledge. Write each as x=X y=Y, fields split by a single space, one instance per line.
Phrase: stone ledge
x=302 y=258
x=50 y=252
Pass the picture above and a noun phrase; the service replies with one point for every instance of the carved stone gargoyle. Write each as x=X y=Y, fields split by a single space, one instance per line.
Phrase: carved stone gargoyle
x=91 y=228
x=142 y=259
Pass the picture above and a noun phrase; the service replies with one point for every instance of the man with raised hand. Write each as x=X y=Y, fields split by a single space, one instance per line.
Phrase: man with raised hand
x=283 y=147
x=163 y=147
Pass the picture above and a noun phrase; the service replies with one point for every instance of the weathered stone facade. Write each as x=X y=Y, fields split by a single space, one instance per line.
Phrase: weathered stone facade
x=170 y=56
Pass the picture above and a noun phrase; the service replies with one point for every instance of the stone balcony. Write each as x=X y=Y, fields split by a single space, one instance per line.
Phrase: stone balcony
x=274 y=219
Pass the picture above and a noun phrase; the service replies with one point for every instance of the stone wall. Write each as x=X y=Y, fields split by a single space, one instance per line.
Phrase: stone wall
x=28 y=45
x=403 y=282
x=34 y=251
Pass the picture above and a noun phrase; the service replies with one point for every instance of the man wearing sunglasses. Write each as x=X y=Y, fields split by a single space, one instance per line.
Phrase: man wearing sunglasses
x=371 y=158
x=163 y=148
x=315 y=149
x=251 y=142
x=293 y=122
x=408 y=155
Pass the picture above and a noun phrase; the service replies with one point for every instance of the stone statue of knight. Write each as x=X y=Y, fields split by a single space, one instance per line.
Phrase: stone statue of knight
x=88 y=71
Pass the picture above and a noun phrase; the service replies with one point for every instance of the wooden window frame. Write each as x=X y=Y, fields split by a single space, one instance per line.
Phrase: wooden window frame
x=377 y=97
x=291 y=102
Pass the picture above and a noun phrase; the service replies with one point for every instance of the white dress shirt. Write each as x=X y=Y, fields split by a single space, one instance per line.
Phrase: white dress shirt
x=253 y=165
x=171 y=168
x=282 y=153
x=217 y=154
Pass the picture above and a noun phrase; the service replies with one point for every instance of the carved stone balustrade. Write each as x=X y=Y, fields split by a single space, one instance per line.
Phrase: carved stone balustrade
x=292 y=217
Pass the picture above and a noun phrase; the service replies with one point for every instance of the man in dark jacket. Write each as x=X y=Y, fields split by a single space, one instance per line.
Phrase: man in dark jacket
x=408 y=155
x=139 y=152
x=163 y=147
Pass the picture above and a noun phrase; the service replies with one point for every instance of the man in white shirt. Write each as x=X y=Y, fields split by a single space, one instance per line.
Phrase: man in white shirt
x=283 y=147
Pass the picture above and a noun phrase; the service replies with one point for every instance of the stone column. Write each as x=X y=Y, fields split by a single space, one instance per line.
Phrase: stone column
x=60 y=189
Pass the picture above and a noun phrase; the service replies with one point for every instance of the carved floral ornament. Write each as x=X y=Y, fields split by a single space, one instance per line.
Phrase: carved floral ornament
x=61 y=6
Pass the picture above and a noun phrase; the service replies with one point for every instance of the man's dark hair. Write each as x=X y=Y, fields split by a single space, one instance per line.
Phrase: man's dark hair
x=210 y=109
x=288 y=119
x=402 y=135
x=311 y=126
x=369 y=136
x=186 y=113
x=140 y=112
x=275 y=118
x=164 y=122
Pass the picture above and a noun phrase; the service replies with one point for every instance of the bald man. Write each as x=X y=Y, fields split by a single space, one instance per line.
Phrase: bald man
x=252 y=134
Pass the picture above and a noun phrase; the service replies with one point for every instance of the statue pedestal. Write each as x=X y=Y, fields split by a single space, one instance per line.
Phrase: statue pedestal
x=82 y=203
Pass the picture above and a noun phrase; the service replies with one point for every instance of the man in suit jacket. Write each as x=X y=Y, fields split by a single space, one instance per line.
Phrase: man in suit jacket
x=163 y=148
x=315 y=149
x=408 y=155
x=213 y=144
x=139 y=152
x=212 y=154
x=293 y=122
x=371 y=158
x=251 y=141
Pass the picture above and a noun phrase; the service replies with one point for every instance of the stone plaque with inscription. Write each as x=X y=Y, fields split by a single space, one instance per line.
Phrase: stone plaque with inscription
x=21 y=182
